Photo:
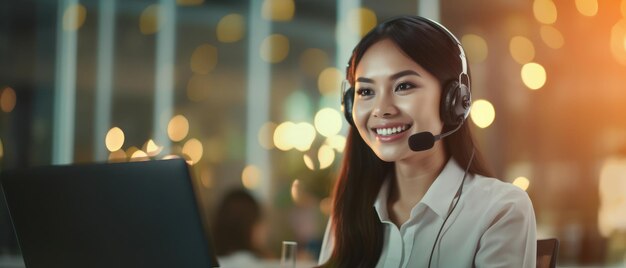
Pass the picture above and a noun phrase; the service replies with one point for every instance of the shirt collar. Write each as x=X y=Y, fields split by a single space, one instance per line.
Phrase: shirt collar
x=438 y=196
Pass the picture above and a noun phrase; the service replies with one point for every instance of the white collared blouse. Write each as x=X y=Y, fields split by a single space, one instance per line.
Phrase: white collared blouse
x=493 y=225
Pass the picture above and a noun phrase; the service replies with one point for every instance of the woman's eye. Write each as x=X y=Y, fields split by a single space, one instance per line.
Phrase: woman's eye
x=364 y=92
x=404 y=86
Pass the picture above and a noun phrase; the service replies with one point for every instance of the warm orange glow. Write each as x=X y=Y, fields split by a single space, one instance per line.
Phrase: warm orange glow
x=74 y=17
x=587 y=7
x=618 y=41
x=149 y=22
x=361 y=20
x=522 y=50
x=250 y=177
x=265 y=135
x=313 y=61
x=274 y=48
x=278 y=10
x=551 y=36
x=545 y=11
x=231 y=28
x=329 y=81
x=117 y=156
x=1 y=149
x=326 y=205
x=204 y=59
x=8 y=99
x=475 y=48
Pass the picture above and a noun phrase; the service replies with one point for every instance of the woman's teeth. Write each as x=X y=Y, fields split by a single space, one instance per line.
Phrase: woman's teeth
x=391 y=131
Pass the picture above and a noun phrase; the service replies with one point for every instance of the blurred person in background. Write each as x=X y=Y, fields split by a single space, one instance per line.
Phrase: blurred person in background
x=240 y=231
x=403 y=199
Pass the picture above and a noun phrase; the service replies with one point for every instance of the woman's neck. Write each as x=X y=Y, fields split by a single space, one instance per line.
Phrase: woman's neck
x=413 y=178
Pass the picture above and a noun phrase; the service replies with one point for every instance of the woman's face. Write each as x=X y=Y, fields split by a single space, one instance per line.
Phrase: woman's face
x=394 y=98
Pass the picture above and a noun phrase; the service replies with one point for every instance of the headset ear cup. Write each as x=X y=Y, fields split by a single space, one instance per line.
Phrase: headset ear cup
x=448 y=100
x=346 y=105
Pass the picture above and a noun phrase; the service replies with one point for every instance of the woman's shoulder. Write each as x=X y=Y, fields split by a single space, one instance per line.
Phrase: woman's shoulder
x=499 y=193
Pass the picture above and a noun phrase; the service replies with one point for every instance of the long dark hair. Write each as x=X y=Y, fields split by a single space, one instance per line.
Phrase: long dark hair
x=357 y=230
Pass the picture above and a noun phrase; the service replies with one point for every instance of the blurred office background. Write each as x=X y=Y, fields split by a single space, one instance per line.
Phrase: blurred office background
x=248 y=93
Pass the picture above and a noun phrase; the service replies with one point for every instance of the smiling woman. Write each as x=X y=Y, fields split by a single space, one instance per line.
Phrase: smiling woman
x=408 y=78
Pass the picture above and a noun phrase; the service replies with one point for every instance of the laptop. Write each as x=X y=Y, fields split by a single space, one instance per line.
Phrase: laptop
x=137 y=214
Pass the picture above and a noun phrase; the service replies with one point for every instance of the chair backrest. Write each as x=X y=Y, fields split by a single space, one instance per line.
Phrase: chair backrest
x=547 y=252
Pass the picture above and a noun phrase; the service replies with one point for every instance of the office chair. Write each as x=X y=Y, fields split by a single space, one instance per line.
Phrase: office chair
x=547 y=252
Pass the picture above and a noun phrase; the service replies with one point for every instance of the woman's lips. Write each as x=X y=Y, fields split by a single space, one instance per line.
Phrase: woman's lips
x=391 y=133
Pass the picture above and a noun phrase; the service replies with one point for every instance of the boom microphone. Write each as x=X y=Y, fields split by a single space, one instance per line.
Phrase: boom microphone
x=425 y=140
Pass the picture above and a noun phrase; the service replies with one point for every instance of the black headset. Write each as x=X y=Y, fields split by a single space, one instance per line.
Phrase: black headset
x=456 y=95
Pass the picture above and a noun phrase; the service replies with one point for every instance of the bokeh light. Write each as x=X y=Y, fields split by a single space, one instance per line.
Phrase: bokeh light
x=149 y=22
x=475 y=47
x=278 y=10
x=361 y=20
x=545 y=11
x=207 y=178
x=198 y=87
x=204 y=59
x=8 y=99
x=178 y=128
x=74 y=17
x=303 y=137
x=329 y=81
x=274 y=48
x=533 y=75
x=250 y=177
x=266 y=135
x=114 y=139
x=283 y=136
x=189 y=2
x=295 y=191
x=522 y=49
x=587 y=7
x=551 y=36
x=326 y=156
x=337 y=142
x=308 y=162
x=139 y=155
x=117 y=156
x=193 y=149
x=618 y=41
x=231 y=28
x=522 y=183
x=326 y=205
x=151 y=148
x=328 y=122
x=313 y=61
x=482 y=113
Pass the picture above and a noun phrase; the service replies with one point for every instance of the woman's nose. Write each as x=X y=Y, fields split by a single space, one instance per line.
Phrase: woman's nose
x=385 y=107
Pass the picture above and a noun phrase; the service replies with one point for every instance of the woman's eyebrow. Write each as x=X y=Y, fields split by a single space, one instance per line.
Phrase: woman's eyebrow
x=403 y=73
x=392 y=77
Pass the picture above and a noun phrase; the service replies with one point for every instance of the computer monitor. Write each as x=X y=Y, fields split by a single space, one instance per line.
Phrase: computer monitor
x=137 y=214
